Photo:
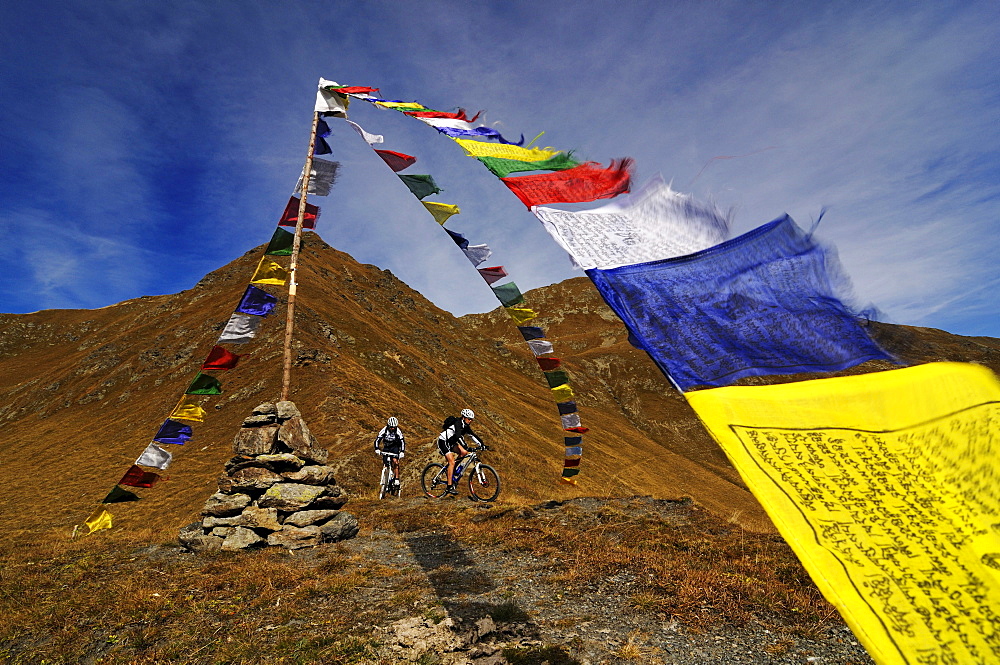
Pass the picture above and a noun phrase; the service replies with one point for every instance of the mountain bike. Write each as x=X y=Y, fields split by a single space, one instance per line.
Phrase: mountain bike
x=385 y=484
x=484 y=481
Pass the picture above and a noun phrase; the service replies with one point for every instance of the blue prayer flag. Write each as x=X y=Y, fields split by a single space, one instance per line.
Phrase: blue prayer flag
x=488 y=132
x=566 y=407
x=571 y=441
x=762 y=303
x=459 y=239
x=531 y=332
x=256 y=301
x=172 y=431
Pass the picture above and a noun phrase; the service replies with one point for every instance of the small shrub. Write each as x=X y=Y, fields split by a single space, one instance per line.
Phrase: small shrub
x=509 y=612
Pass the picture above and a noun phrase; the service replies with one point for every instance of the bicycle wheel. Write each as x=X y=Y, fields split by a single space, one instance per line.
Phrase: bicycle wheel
x=484 y=483
x=433 y=480
x=383 y=487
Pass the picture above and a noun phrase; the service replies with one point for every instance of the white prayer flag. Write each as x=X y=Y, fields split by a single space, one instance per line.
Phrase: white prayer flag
x=570 y=420
x=477 y=253
x=324 y=173
x=154 y=456
x=331 y=102
x=651 y=224
x=370 y=139
x=448 y=123
x=240 y=329
x=540 y=347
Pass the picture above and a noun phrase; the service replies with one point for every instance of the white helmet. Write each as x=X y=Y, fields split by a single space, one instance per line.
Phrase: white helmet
x=392 y=422
x=467 y=413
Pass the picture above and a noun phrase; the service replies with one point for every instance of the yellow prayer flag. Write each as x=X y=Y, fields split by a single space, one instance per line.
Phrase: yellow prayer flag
x=99 y=519
x=884 y=484
x=188 y=410
x=562 y=393
x=521 y=315
x=403 y=106
x=504 y=151
x=269 y=272
x=441 y=211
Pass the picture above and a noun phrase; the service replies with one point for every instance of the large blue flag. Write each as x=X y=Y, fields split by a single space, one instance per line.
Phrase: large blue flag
x=762 y=303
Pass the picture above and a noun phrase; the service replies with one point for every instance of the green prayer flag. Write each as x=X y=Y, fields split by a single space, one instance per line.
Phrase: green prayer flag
x=420 y=185
x=119 y=495
x=508 y=294
x=504 y=167
x=569 y=473
x=281 y=243
x=557 y=378
x=204 y=384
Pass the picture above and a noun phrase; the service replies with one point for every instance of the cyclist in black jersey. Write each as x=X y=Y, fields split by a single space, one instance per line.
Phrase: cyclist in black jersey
x=450 y=443
x=393 y=445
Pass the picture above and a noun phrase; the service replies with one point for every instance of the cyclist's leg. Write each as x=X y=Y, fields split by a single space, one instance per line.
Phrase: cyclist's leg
x=395 y=467
x=450 y=456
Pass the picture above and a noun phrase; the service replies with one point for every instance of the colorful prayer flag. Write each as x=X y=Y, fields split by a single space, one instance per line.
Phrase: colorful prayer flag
x=571 y=462
x=188 y=410
x=570 y=421
x=459 y=239
x=578 y=430
x=240 y=329
x=568 y=473
x=549 y=364
x=420 y=186
x=759 y=304
x=557 y=378
x=508 y=294
x=566 y=407
x=353 y=89
x=269 y=272
x=540 y=346
x=370 y=139
x=329 y=102
x=441 y=211
x=290 y=217
x=477 y=253
x=401 y=106
x=120 y=495
x=137 y=477
x=204 y=384
x=505 y=151
x=154 y=456
x=256 y=301
x=396 y=161
x=453 y=129
x=494 y=274
x=562 y=393
x=459 y=115
x=321 y=178
x=571 y=441
x=504 y=167
x=576 y=450
x=652 y=224
x=587 y=182
x=174 y=432
x=531 y=332
x=99 y=519
x=281 y=243
x=521 y=314
x=884 y=486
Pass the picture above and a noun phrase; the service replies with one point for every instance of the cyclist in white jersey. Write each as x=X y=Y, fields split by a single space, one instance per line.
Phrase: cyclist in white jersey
x=393 y=446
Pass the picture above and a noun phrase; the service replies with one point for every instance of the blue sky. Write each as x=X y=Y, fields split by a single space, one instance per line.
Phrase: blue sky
x=145 y=144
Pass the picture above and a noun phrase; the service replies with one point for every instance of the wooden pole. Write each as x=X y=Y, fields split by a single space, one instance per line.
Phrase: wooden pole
x=286 y=380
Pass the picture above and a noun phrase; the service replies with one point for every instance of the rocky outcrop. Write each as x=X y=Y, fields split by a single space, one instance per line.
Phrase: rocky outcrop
x=276 y=491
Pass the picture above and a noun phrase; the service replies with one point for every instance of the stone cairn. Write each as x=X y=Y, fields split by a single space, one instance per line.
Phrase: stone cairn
x=276 y=491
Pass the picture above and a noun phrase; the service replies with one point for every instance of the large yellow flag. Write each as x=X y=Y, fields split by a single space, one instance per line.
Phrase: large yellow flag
x=188 y=410
x=562 y=393
x=505 y=151
x=521 y=315
x=403 y=106
x=441 y=211
x=99 y=519
x=269 y=272
x=886 y=486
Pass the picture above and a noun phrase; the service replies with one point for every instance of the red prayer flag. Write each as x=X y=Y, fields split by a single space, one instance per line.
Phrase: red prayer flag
x=586 y=182
x=397 y=161
x=220 y=358
x=548 y=364
x=136 y=477
x=578 y=430
x=460 y=115
x=571 y=463
x=291 y=215
x=354 y=90
x=494 y=274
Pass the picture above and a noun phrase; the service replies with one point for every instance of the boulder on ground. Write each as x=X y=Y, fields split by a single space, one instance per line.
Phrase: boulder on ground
x=293 y=537
x=224 y=505
x=341 y=527
x=241 y=538
x=193 y=539
x=289 y=496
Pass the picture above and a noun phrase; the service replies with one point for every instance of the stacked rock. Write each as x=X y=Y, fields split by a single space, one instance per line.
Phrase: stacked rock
x=276 y=491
